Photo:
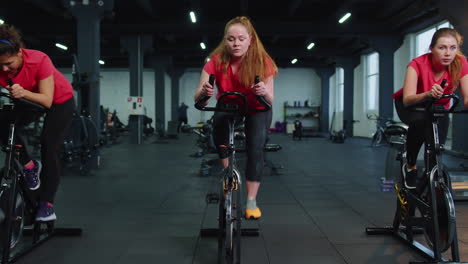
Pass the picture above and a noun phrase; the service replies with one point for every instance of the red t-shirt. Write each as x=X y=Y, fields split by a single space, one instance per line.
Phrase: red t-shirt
x=38 y=66
x=423 y=67
x=230 y=82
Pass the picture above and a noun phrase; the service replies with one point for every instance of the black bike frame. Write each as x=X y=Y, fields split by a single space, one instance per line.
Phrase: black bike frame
x=433 y=161
x=13 y=174
x=238 y=112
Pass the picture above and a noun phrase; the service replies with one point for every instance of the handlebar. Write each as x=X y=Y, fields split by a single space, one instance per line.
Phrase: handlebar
x=231 y=108
x=36 y=106
x=428 y=105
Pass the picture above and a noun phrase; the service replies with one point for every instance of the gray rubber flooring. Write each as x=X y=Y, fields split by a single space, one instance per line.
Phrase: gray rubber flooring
x=146 y=204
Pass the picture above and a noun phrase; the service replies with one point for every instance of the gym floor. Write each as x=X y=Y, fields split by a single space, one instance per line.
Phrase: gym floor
x=147 y=205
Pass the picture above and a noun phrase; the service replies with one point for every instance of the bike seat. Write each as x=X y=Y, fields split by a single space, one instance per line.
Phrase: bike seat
x=396 y=129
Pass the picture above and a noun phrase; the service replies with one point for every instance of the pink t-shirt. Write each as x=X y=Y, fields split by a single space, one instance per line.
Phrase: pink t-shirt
x=38 y=66
x=423 y=67
x=230 y=82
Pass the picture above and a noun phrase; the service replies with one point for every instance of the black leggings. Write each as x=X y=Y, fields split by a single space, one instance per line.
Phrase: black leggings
x=56 y=121
x=416 y=131
x=256 y=126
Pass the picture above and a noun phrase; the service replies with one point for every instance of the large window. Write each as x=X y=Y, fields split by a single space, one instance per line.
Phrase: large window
x=372 y=81
x=423 y=39
x=339 y=89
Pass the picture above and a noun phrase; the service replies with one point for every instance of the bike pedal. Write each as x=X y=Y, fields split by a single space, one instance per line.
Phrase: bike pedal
x=251 y=218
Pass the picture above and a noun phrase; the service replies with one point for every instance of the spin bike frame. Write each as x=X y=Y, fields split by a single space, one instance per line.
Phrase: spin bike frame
x=13 y=183
x=231 y=179
x=428 y=209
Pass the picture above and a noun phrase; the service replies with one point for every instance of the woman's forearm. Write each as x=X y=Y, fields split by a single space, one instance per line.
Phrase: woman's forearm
x=39 y=98
x=415 y=98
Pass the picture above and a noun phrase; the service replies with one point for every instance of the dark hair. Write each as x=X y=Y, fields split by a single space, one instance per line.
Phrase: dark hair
x=456 y=66
x=10 y=40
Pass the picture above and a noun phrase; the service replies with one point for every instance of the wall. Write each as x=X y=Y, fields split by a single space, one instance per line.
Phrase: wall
x=401 y=59
x=167 y=98
x=291 y=84
x=362 y=127
x=335 y=117
x=187 y=86
x=295 y=84
x=115 y=91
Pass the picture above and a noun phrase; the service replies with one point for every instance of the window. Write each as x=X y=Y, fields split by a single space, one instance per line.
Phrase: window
x=339 y=89
x=372 y=81
x=423 y=39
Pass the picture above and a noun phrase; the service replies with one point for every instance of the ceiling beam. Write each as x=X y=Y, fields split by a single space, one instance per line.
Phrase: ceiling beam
x=293 y=6
x=48 y=6
x=147 y=7
x=285 y=29
x=273 y=50
x=413 y=11
x=244 y=7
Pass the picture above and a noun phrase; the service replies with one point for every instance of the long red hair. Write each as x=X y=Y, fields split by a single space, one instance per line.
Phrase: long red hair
x=256 y=61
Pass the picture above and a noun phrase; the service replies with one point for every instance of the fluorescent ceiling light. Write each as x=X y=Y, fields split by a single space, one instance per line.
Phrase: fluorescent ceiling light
x=101 y=62
x=344 y=18
x=202 y=45
x=192 y=17
x=294 y=61
x=61 y=46
x=310 y=46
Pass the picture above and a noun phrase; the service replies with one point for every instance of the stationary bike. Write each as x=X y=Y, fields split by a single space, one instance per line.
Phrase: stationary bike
x=229 y=200
x=432 y=198
x=18 y=204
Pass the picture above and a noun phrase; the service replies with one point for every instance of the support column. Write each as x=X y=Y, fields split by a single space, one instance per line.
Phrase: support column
x=175 y=92
x=348 y=64
x=325 y=73
x=88 y=16
x=455 y=11
x=136 y=46
x=386 y=46
x=160 y=64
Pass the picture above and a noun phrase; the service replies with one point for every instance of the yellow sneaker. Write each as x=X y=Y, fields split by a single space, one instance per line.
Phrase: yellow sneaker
x=253 y=213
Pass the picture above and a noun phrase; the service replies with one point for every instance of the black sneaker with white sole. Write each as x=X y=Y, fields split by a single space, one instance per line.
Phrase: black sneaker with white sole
x=45 y=212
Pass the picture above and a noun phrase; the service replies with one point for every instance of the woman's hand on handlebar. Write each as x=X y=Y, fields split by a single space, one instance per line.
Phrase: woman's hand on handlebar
x=260 y=89
x=436 y=91
x=17 y=91
x=207 y=89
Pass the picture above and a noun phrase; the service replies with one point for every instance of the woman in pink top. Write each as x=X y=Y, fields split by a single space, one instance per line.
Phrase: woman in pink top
x=34 y=77
x=423 y=80
x=235 y=62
